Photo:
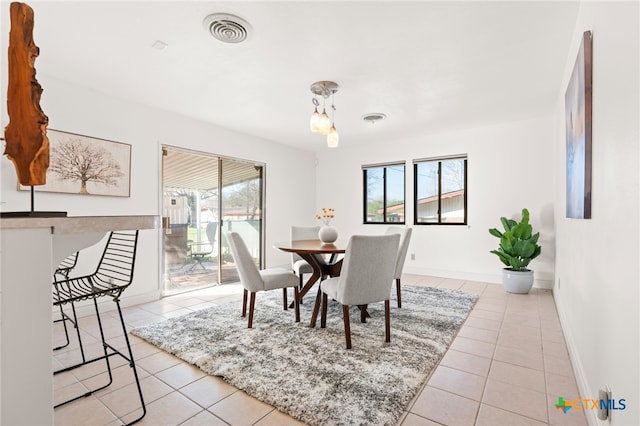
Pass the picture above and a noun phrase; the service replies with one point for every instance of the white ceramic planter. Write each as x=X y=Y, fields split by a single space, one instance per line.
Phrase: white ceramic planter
x=519 y=282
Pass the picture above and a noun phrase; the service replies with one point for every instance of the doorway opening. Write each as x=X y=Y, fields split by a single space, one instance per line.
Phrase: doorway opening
x=205 y=195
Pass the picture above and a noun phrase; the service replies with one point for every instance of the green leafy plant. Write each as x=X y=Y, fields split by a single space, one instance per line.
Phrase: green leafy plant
x=518 y=243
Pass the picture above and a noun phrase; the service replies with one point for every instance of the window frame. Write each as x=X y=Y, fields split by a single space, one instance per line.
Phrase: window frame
x=385 y=220
x=439 y=161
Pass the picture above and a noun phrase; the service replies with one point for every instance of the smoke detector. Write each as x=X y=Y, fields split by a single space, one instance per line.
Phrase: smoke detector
x=227 y=28
x=373 y=117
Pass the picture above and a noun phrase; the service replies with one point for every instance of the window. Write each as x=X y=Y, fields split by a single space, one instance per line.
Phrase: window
x=440 y=191
x=384 y=193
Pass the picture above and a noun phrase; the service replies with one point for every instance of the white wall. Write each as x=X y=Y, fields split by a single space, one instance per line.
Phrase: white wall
x=509 y=166
x=88 y=112
x=597 y=278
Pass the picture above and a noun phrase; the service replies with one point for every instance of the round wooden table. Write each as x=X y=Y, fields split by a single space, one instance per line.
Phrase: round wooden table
x=313 y=251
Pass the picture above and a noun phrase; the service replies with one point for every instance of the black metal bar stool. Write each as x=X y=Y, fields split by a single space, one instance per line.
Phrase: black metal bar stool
x=63 y=270
x=112 y=276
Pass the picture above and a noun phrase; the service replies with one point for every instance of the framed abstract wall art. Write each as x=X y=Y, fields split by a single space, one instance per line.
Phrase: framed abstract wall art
x=86 y=165
x=578 y=108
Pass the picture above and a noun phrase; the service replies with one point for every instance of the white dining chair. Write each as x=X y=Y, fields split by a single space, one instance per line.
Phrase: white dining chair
x=403 y=247
x=366 y=277
x=254 y=280
x=298 y=264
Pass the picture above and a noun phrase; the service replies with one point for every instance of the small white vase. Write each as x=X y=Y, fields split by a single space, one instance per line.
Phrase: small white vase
x=328 y=234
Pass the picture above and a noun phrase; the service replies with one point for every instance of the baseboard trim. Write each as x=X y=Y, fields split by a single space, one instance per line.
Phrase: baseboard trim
x=576 y=365
x=541 y=280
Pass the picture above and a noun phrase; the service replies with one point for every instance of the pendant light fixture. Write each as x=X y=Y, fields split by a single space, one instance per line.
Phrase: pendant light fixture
x=333 y=138
x=320 y=122
x=315 y=117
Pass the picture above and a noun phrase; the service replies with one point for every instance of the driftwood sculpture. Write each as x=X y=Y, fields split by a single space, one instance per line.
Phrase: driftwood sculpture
x=27 y=145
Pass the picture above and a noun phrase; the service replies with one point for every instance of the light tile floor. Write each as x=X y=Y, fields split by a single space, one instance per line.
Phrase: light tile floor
x=507 y=366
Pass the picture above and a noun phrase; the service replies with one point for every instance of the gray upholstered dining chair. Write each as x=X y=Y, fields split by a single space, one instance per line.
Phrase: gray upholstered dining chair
x=405 y=237
x=254 y=280
x=366 y=277
x=299 y=265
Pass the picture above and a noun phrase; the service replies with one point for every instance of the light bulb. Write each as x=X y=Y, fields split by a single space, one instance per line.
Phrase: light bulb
x=315 y=120
x=332 y=137
x=324 y=124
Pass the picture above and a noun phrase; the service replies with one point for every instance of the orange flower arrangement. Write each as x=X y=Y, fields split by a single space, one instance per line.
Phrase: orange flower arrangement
x=326 y=216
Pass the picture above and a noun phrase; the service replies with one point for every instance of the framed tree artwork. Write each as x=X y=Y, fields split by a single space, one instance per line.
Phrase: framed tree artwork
x=578 y=132
x=86 y=165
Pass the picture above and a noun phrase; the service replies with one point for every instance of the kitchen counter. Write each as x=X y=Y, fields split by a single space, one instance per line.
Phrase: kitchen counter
x=30 y=250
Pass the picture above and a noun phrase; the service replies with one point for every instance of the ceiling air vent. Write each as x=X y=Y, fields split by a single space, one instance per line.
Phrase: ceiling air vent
x=227 y=28
x=373 y=117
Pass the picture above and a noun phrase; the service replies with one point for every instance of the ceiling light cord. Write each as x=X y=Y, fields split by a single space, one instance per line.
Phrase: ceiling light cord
x=325 y=123
x=333 y=137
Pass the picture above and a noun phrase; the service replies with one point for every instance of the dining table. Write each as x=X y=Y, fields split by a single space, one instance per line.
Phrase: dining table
x=322 y=257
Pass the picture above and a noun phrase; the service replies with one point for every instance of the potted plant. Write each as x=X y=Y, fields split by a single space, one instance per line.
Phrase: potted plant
x=518 y=246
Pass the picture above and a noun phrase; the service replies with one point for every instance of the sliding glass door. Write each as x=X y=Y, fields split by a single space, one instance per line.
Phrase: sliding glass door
x=241 y=210
x=205 y=195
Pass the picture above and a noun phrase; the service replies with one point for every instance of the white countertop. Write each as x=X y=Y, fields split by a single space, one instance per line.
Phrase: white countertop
x=79 y=224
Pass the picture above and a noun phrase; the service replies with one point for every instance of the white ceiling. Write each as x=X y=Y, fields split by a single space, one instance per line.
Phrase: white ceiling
x=429 y=66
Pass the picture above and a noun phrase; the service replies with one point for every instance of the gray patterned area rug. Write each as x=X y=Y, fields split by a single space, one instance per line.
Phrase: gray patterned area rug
x=307 y=373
